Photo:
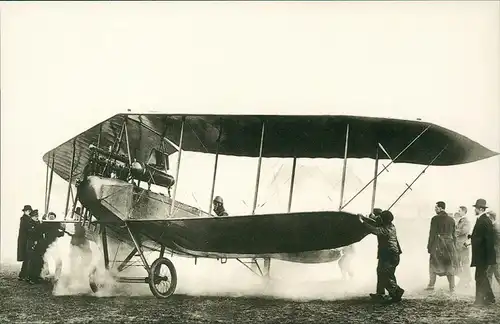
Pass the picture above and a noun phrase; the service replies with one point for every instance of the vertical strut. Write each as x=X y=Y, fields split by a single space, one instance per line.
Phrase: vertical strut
x=344 y=167
x=259 y=165
x=215 y=170
x=70 y=179
x=178 y=165
x=50 y=182
x=292 y=181
x=104 y=239
x=99 y=137
x=46 y=186
x=128 y=143
x=375 y=181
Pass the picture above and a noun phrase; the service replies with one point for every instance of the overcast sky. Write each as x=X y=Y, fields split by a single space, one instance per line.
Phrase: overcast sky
x=67 y=66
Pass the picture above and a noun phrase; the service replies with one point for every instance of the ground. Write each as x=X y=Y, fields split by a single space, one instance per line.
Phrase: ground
x=24 y=303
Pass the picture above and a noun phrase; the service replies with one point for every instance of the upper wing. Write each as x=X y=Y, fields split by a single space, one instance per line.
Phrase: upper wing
x=284 y=136
x=324 y=137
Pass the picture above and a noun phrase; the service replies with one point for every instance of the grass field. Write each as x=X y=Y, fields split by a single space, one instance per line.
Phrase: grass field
x=24 y=303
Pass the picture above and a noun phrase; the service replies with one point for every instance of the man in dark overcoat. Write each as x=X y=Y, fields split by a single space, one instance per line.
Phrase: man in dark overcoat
x=34 y=241
x=22 y=242
x=483 y=253
x=441 y=247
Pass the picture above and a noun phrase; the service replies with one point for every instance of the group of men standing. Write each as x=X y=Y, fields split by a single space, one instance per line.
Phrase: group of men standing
x=33 y=240
x=450 y=255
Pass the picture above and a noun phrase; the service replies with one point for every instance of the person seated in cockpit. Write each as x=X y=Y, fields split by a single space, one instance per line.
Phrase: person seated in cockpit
x=219 y=207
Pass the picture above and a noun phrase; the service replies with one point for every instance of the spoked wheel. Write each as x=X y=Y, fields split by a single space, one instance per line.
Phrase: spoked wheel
x=163 y=278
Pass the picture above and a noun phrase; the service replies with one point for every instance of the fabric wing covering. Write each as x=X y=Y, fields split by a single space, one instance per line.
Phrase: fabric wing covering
x=258 y=234
x=284 y=136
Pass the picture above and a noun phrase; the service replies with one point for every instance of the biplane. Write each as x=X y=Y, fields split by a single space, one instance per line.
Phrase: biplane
x=107 y=163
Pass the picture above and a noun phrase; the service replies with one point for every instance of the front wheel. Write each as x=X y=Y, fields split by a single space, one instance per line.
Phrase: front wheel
x=162 y=278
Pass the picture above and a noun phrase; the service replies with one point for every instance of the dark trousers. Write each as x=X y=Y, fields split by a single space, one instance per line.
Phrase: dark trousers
x=386 y=273
x=35 y=264
x=24 y=269
x=380 y=288
x=484 y=292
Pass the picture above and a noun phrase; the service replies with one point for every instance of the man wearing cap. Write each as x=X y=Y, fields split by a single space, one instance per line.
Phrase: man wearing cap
x=22 y=240
x=483 y=253
x=219 y=207
x=388 y=254
x=463 y=229
x=52 y=230
x=441 y=246
x=380 y=290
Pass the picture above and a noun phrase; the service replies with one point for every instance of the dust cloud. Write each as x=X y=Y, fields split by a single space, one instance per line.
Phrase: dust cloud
x=209 y=277
x=72 y=268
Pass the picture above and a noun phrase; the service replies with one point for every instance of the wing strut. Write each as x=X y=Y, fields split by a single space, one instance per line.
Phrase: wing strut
x=259 y=165
x=408 y=187
x=128 y=142
x=374 y=181
x=46 y=188
x=215 y=170
x=70 y=178
x=178 y=165
x=385 y=167
x=292 y=180
x=50 y=183
x=342 y=186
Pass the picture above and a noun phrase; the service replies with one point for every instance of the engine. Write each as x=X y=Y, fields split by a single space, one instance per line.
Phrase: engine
x=148 y=173
x=114 y=165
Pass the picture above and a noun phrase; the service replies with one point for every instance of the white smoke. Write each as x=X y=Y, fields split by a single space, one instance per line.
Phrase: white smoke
x=73 y=268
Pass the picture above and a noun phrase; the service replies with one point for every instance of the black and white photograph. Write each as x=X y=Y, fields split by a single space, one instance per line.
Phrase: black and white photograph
x=250 y=162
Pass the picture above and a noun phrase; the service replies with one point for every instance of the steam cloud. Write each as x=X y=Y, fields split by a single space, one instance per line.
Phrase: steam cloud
x=211 y=278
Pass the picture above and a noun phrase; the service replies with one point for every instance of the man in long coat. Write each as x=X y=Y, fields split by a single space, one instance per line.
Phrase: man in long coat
x=22 y=240
x=483 y=253
x=463 y=229
x=441 y=247
x=34 y=241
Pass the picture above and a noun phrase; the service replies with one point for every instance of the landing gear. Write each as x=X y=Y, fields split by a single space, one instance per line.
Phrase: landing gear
x=162 y=278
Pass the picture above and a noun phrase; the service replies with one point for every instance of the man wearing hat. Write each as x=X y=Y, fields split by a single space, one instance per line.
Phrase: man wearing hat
x=22 y=240
x=34 y=242
x=219 y=207
x=483 y=253
x=388 y=254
